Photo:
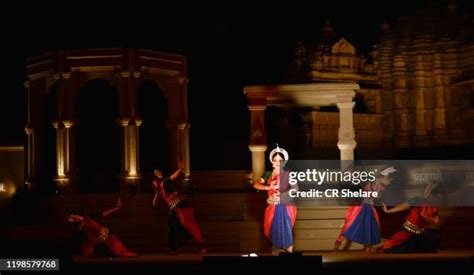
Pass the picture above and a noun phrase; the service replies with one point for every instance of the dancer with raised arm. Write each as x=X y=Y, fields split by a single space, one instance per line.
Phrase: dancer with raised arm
x=419 y=233
x=181 y=221
x=95 y=237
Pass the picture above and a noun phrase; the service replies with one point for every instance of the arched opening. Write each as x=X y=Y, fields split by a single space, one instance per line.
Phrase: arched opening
x=154 y=136
x=98 y=143
x=48 y=171
x=286 y=127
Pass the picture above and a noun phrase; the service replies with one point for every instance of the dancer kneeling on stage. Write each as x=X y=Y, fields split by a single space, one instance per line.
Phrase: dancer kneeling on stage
x=419 y=232
x=181 y=221
x=96 y=239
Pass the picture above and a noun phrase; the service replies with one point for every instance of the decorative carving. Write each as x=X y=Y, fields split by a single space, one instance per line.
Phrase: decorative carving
x=257 y=134
x=343 y=47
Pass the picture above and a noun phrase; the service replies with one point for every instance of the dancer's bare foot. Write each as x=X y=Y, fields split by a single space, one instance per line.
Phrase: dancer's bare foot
x=277 y=251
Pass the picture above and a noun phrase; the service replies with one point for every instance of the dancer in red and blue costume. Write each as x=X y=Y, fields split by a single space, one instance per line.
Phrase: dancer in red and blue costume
x=419 y=233
x=361 y=223
x=280 y=214
x=181 y=221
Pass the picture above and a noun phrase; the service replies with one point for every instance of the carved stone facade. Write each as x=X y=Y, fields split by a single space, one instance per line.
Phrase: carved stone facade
x=69 y=71
x=416 y=83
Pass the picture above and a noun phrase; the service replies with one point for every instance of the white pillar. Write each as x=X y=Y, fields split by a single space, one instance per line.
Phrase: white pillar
x=67 y=145
x=125 y=145
x=258 y=160
x=59 y=149
x=184 y=145
x=258 y=138
x=346 y=142
x=31 y=156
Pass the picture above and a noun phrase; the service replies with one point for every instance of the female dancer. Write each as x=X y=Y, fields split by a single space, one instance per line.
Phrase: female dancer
x=280 y=214
x=419 y=232
x=361 y=224
x=94 y=236
x=181 y=219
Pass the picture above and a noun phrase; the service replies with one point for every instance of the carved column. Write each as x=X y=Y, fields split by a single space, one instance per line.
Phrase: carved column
x=183 y=127
x=439 y=100
x=258 y=136
x=346 y=135
x=401 y=100
x=67 y=146
x=62 y=178
x=130 y=123
x=453 y=61
x=423 y=95
x=63 y=129
x=176 y=94
x=130 y=166
x=183 y=140
x=384 y=66
x=30 y=157
x=36 y=90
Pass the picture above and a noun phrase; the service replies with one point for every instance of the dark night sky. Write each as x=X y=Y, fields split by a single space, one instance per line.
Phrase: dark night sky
x=228 y=46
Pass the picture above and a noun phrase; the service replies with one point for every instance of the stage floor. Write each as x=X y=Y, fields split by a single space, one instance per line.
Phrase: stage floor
x=449 y=262
x=328 y=258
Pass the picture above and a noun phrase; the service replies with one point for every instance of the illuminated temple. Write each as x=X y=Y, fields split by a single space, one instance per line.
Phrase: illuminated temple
x=416 y=83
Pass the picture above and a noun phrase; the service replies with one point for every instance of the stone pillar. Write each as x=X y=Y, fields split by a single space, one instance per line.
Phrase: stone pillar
x=75 y=83
x=346 y=135
x=258 y=136
x=439 y=100
x=183 y=139
x=401 y=102
x=30 y=157
x=423 y=95
x=384 y=66
x=258 y=160
x=36 y=91
x=67 y=145
x=128 y=95
x=130 y=166
x=175 y=91
x=62 y=154
x=452 y=60
x=63 y=127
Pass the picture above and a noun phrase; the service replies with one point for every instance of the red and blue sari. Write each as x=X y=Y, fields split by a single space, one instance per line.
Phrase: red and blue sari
x=362 y=224
x=280 y=214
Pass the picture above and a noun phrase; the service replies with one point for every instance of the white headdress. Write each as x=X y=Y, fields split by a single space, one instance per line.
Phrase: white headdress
x=388 y=171
x=279 y=150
